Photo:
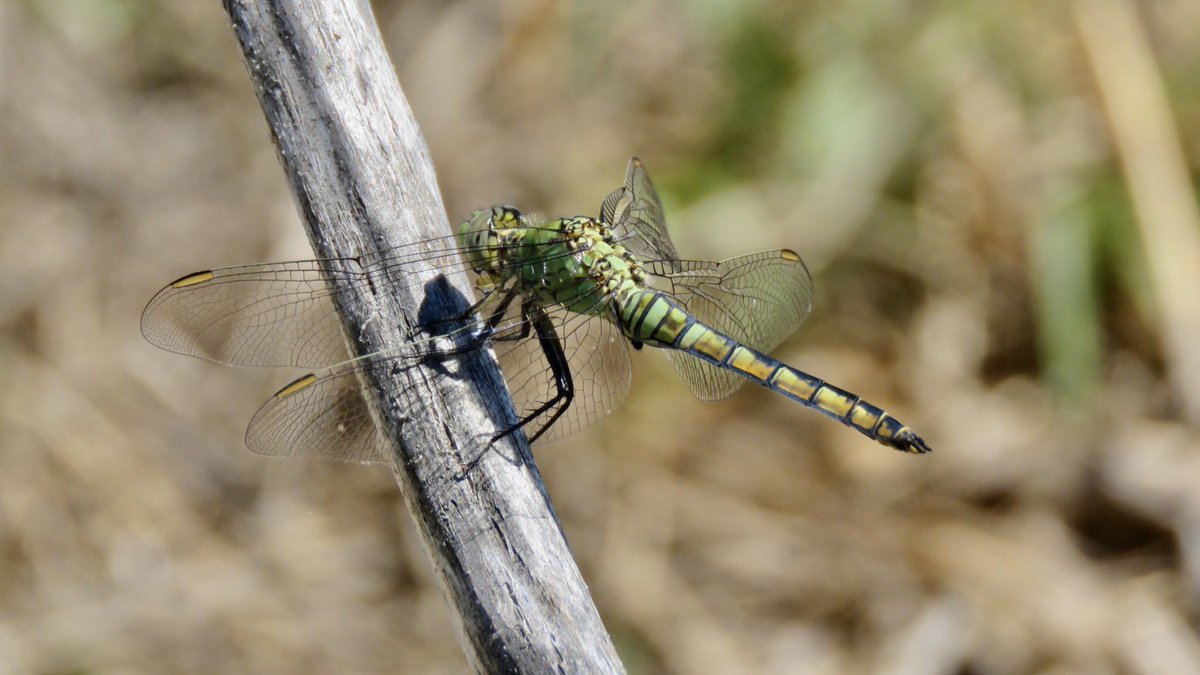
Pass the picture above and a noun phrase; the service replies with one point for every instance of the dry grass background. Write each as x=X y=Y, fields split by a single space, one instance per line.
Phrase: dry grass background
x=996 y=199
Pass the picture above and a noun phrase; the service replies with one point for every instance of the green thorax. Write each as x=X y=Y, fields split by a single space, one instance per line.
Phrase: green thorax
x=573 y=262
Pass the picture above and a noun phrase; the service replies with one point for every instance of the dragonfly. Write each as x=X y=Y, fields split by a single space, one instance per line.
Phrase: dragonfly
x=560 y=302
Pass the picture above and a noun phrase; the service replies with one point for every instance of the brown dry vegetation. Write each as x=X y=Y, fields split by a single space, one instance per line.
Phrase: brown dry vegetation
x=997 y=202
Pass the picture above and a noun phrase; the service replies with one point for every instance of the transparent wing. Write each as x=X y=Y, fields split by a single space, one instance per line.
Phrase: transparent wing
x=279 y=314
x=598 y=357
x=635 y=214
x=282 y=314
x=324 y=414
x=757 y=299
x=319 y=415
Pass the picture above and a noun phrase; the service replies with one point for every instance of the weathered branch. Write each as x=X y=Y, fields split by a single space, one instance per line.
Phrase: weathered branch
x=363 y=181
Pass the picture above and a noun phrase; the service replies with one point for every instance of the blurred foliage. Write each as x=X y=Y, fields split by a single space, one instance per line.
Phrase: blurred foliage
x=953 y=174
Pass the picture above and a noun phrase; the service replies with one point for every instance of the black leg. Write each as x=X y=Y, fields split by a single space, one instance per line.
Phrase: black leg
x=493 y=320
x=513 y=337
x=552 y=348
x=480 y=334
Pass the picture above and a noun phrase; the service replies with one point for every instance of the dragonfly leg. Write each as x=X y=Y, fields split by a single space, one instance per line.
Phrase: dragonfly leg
x=470 y=311
x=556 y=357
x=480 y=334
x=497 y=315
x=564 y=386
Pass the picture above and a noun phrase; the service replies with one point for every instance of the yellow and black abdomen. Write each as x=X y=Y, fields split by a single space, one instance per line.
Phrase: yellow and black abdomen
x=653 y=318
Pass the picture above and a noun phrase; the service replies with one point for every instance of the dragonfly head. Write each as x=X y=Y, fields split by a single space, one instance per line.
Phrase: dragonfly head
x=488 y=235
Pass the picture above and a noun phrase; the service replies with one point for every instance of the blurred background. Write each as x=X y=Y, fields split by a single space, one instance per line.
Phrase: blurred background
x=998 y=205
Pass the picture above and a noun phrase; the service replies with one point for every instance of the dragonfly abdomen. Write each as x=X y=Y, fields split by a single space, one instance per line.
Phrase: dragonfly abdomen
x=844 y=406
x=655 y=319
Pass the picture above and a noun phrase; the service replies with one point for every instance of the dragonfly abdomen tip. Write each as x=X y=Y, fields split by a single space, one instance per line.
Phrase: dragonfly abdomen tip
x=909 y=442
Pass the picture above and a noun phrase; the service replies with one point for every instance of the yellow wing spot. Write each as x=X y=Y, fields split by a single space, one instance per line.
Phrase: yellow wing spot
x=193 y=279
x=789 y=254
x=302 y=383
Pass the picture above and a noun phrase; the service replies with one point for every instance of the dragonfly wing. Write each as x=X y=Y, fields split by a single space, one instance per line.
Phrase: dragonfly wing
x=322 y=414
x=277 y=314
x=281 y=314
x=636 y=215
x=757 y=299
x=597 y=356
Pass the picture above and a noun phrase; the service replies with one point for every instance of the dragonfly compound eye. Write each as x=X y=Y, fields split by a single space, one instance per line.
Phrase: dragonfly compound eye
x=476 y=236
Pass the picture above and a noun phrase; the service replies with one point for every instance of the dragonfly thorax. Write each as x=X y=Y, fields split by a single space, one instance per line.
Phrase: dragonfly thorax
x=604 y=261
x=574 y=262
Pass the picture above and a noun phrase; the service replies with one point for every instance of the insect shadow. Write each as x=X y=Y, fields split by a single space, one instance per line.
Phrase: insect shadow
x=446 y=313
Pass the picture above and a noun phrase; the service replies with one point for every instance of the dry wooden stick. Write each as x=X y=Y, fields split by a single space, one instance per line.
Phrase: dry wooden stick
x=363 y=180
